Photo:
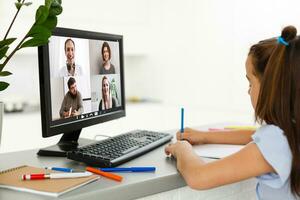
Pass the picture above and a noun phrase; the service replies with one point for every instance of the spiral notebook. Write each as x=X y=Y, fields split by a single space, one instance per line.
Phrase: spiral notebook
x=11 y=179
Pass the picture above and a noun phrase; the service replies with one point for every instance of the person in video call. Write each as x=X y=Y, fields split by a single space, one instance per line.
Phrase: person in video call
x=107 y=67
x=70 y=69
x=72 y=103
x=107 y=100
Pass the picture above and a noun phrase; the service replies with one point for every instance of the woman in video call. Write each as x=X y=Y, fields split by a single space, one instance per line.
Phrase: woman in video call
x=71 y=69
x=107 y=100
x=107 y=67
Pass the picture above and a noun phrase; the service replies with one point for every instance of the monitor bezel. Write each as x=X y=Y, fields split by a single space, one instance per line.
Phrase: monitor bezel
x=45 y=90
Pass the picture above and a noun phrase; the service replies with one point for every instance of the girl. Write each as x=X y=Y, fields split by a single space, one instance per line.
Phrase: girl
x=272 y=152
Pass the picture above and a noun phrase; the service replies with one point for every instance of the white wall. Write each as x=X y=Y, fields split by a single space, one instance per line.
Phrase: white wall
x=188 y=52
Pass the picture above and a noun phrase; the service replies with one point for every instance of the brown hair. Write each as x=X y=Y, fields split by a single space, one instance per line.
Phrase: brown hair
x=277 y=66
x=105 y=44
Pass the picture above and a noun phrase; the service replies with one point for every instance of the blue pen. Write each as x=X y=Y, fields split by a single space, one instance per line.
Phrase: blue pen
x=129 y=169
x=63 y=169
x=182 y=120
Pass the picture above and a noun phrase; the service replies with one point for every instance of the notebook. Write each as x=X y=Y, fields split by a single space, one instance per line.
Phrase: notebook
x=216 y=150
x=11 y=179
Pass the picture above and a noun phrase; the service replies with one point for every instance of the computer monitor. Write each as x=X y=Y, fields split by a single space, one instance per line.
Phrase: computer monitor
x=81 y=84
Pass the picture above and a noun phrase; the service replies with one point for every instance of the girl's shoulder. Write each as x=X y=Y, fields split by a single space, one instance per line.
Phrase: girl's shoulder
x=269 y=130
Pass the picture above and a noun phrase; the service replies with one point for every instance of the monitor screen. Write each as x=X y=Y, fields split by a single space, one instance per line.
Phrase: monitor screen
x=81 y=80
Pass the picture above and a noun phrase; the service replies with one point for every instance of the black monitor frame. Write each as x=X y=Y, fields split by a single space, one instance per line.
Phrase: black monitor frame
x=71 y=129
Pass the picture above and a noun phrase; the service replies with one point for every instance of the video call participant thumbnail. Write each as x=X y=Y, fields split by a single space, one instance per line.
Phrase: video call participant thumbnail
x=70 y=69
x=107 y=67
x=72 y=103
x=107 y=100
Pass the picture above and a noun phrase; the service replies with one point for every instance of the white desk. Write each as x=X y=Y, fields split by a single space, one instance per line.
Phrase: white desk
x=23 y=131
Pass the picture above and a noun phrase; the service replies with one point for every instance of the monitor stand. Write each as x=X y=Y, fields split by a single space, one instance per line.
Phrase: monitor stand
x=68 y=142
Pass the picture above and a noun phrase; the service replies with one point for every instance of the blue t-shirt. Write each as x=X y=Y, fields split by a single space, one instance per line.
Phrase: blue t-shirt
x=275 y=148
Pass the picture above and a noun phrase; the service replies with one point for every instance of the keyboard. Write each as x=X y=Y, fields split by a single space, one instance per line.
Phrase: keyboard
x=119 y=149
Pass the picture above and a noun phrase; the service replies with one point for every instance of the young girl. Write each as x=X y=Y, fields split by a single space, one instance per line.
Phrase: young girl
x=272 y=152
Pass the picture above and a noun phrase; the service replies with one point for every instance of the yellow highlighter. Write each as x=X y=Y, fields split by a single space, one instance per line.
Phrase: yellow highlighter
x=250 y=128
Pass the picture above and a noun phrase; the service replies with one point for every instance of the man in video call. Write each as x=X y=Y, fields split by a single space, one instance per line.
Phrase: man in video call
x=72 y=103
x=71 y=69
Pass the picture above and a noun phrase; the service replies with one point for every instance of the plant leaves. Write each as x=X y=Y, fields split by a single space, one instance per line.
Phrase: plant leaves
x=3 y=85
x=50 y=23
x=6 y=42
x=48 y=3
x=5 y=73
x=39 y=31
x=55 y=9
x=27 y=3
x=3 y=51
x=33 y=42
x=41 y=15
x=18 y=5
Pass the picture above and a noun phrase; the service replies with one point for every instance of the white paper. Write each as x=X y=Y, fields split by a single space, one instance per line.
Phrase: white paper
x=216 y=150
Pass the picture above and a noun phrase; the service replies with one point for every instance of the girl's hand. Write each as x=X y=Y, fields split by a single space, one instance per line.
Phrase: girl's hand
x=192 y=136
x=180 y=147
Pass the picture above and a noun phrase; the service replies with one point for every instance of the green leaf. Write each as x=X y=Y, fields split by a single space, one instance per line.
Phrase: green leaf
x=3 y=85
x=55 y=9
x=6 y=42
x=18 y=5
x=19 y=1
x=39 y=31
x=3 y=51
x=5 y=73
x=50 y=23
x=27 y=3
x=48 y=3
x=34 y=42
x=41 y=14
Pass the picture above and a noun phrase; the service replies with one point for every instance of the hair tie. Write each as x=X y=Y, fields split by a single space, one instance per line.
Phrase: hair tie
x=282 y=41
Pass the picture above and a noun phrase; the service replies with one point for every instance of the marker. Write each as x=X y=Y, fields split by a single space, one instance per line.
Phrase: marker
x=182 y=120
x=105 y=174
x=216 y=129
x=64 y=169
x=129 y=169
x=241 y=127
x=55 y=176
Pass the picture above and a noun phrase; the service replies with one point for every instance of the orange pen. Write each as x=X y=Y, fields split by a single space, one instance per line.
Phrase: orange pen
x=105 y=174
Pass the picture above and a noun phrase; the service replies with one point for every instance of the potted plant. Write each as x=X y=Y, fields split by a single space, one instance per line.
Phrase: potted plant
x=38 y=34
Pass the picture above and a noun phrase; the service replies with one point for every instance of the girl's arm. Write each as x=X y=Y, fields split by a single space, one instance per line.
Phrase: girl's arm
x=216 y=137
x=247 y=163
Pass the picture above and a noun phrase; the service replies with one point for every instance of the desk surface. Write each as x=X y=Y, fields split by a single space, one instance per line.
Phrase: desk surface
x=134 y=185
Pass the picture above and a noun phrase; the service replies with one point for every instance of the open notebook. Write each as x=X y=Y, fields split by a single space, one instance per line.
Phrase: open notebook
x=11 y=179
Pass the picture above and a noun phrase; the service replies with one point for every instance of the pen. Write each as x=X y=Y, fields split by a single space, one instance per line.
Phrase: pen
x=105 y=174
x=129 y=169
x=55 y=175
x=64 y=169
x=182 y=120
x=216 y=129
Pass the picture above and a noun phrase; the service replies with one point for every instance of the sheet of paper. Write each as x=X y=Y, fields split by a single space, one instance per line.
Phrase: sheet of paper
x=216 y=150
